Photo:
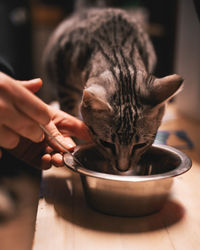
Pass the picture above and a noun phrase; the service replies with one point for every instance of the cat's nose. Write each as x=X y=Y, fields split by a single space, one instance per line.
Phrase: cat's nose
x=123 y=163
x=123 y=158
x=122 y=168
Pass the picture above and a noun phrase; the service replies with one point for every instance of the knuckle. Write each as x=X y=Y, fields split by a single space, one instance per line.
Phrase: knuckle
x=3 y=86
x=2 y=77
x=44 y=116
x=4 y=81
x=12 y=142
x=4 y=109
x=2 y=105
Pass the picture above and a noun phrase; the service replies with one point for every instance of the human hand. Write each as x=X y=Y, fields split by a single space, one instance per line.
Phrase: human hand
x=44 y=154
x=21 y=111
x=62 y=127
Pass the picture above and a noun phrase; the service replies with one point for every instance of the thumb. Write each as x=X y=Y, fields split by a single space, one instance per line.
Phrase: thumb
x=33 y=85
x=67 y=142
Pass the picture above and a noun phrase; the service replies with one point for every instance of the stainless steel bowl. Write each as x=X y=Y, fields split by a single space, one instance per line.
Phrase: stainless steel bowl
x=128 y=195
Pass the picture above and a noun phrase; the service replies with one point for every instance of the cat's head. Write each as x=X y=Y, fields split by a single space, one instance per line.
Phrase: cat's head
x=123 y=126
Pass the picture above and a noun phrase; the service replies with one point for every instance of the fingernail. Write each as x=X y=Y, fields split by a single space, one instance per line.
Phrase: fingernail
x=36 y=80
x=70 y=146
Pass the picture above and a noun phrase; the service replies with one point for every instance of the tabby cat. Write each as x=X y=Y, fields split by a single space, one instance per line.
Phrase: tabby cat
x=101 y=61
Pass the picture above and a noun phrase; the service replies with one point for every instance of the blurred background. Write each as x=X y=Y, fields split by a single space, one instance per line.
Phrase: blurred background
x=173 y=26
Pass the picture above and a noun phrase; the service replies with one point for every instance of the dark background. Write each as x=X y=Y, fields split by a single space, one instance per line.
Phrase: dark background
x=19 y=18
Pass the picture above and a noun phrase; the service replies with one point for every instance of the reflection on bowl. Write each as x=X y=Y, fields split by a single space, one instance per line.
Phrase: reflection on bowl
x=128 y=195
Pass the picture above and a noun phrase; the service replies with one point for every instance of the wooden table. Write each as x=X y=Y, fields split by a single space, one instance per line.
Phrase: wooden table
x=19 y=196
x=64 y=221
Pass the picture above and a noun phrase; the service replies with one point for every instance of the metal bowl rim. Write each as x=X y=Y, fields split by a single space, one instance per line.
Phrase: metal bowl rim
x=183 y=167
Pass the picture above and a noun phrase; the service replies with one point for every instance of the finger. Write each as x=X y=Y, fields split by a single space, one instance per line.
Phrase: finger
x=77 y=129
x=31 y=105
x=9 y=139
x=66 y=141
x=57 y=160
x=23 y=125
x=46 y=161
x=82 y=132
x=24 y=100
x=49 y=150
x=30 y=152
x=33 y=85
x=72 y=126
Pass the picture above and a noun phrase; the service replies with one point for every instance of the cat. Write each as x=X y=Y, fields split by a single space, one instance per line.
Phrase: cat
x=101 y=61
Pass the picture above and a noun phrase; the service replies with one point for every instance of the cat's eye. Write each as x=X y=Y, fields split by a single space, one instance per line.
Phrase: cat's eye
x=92 y=130
x=138 y=146
x=108 y=145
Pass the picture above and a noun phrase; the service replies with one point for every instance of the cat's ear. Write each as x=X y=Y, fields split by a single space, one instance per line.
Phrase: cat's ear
x=162 y=89
x=92 y=101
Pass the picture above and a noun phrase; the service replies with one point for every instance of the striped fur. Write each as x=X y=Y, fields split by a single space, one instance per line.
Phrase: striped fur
x=102 y=59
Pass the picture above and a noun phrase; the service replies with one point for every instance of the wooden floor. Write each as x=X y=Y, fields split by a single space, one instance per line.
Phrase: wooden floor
x=64 y=221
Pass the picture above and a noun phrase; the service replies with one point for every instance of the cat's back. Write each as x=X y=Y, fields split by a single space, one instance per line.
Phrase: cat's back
x=91 y=32
x=89 y=23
